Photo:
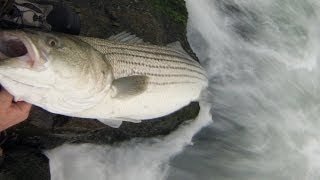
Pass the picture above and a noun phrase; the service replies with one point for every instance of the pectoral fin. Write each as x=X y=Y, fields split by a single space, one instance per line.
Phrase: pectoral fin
x=129 y=86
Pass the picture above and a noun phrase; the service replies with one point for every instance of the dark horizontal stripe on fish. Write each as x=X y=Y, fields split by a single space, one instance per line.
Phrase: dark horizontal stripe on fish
x=159 y=66
x=167 y=75
x=153 y=47
x=183 y=58
x=100 y=42
x=172 y=83
x=181 y=61
x=159 y=60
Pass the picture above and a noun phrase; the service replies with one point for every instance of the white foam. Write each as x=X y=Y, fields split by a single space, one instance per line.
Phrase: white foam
x=264 y=72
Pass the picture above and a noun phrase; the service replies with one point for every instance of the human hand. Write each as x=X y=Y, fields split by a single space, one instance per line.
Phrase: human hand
x=12 y=113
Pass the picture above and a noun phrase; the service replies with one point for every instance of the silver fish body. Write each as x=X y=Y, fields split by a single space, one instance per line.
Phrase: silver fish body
x=112 y=81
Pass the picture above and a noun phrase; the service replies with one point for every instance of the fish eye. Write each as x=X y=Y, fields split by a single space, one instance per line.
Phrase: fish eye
x=52 y=42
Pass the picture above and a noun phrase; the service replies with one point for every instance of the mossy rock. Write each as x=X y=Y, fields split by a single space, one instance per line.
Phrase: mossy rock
x=175 y=9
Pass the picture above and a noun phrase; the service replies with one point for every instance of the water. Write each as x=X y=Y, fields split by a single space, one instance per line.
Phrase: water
x=262 y=59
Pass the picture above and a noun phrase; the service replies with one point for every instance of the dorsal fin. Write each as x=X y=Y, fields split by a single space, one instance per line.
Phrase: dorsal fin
x=126 y=37
x=177 y=46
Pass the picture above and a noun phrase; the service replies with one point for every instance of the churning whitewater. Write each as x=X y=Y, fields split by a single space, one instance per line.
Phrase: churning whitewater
x=262 y=60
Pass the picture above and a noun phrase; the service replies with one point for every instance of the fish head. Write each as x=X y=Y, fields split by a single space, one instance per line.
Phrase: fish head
x=40 y=67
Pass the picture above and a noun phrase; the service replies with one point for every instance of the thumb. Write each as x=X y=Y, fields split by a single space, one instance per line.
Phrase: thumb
x=23 y=106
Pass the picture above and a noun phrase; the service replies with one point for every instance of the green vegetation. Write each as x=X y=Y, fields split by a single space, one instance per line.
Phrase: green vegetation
x=175 y=9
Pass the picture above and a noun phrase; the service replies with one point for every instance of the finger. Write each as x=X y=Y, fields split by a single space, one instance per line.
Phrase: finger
x=7 y=123
x=5 y=99
x=17 y=113
x=23 y=106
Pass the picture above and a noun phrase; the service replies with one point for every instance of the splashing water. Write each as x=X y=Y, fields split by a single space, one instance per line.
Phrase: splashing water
x=262 y=57
x=262 y=60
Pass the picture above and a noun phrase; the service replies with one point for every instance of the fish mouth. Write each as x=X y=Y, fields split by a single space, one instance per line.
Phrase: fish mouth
x=17 y=49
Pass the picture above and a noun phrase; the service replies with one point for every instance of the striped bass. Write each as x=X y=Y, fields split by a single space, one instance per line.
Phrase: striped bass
x=112 y=80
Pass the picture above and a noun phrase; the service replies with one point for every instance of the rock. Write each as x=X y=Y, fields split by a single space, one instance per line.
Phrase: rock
x=45 y=130
x=23 y=157
x=24 y=162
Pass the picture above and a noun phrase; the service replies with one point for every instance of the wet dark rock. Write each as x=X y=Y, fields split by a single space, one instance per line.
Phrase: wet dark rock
x=24 y=163
x=23 y=158
x=45 y=130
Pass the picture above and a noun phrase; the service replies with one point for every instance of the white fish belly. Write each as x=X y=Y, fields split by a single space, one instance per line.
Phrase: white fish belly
x=157 y=101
